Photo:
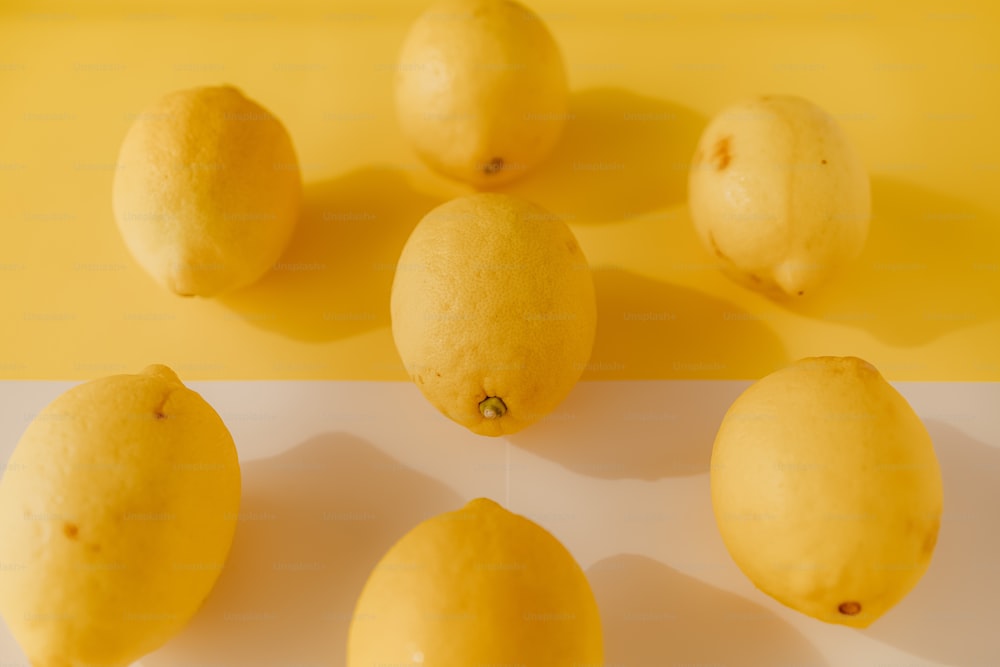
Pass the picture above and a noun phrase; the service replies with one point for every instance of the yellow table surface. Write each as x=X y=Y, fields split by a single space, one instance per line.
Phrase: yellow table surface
x=915 y=85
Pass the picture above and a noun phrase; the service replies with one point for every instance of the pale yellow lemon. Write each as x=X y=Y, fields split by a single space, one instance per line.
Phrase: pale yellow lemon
x=493 y=311
x=477 y=586
x=481 y=89
x=778 y=194
x=117 y=510
x=827 y=490
x=207 y=190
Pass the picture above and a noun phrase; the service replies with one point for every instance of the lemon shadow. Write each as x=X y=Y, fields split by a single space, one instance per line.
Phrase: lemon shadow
x=334 y=279
x=314 y=521
x=650 y=330
x=950 y=617
x=620 y=155
x=653 y=330
x=633 y=430
x=654 y=615
x=929 y=268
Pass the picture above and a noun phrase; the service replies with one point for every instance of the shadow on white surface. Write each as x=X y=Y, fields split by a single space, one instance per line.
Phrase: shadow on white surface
x=314 y=521
x=633 y=430
x=951 y=616
x=654 y=615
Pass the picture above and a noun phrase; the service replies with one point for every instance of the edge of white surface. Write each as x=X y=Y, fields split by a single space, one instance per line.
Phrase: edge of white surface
x=619 y=474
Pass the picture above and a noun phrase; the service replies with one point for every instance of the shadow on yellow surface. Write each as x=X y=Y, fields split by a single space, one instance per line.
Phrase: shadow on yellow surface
x=930 y=268
x=621 y=154
x=335 y=278
x=655 y=615
x=950 y=617
x=652 y=330
x=314 y=521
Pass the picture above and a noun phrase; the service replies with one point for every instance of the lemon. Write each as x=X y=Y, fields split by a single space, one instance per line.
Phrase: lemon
x=481 y=89
x=477 y=586
x=826 y=489
x=493 y=311
x=117 y=511
x=778 y=194
x=207 y=190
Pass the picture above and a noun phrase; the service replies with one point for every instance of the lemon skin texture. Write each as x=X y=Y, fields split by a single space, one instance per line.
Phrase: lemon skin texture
x=118 y=507
x=778 y=195
x=481 y=90
x=493 y=311
x=207 y=191
x=477 y=586
x=826 y=489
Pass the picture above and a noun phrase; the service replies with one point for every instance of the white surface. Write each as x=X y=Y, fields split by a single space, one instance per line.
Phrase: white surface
x=335 y=472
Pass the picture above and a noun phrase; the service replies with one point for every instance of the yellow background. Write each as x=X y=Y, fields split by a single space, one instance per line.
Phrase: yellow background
x=915 y=85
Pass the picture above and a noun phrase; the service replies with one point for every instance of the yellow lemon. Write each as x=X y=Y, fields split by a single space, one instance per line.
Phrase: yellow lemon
x=477 y=586
x=827 y=490
x=481 y=89
x=778 y=194
x=117 y=511
x=207 y=190
x=493 y=311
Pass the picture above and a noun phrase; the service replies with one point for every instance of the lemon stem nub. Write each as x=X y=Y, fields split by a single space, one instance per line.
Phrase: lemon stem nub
x=850 y=608
x=492 y=407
